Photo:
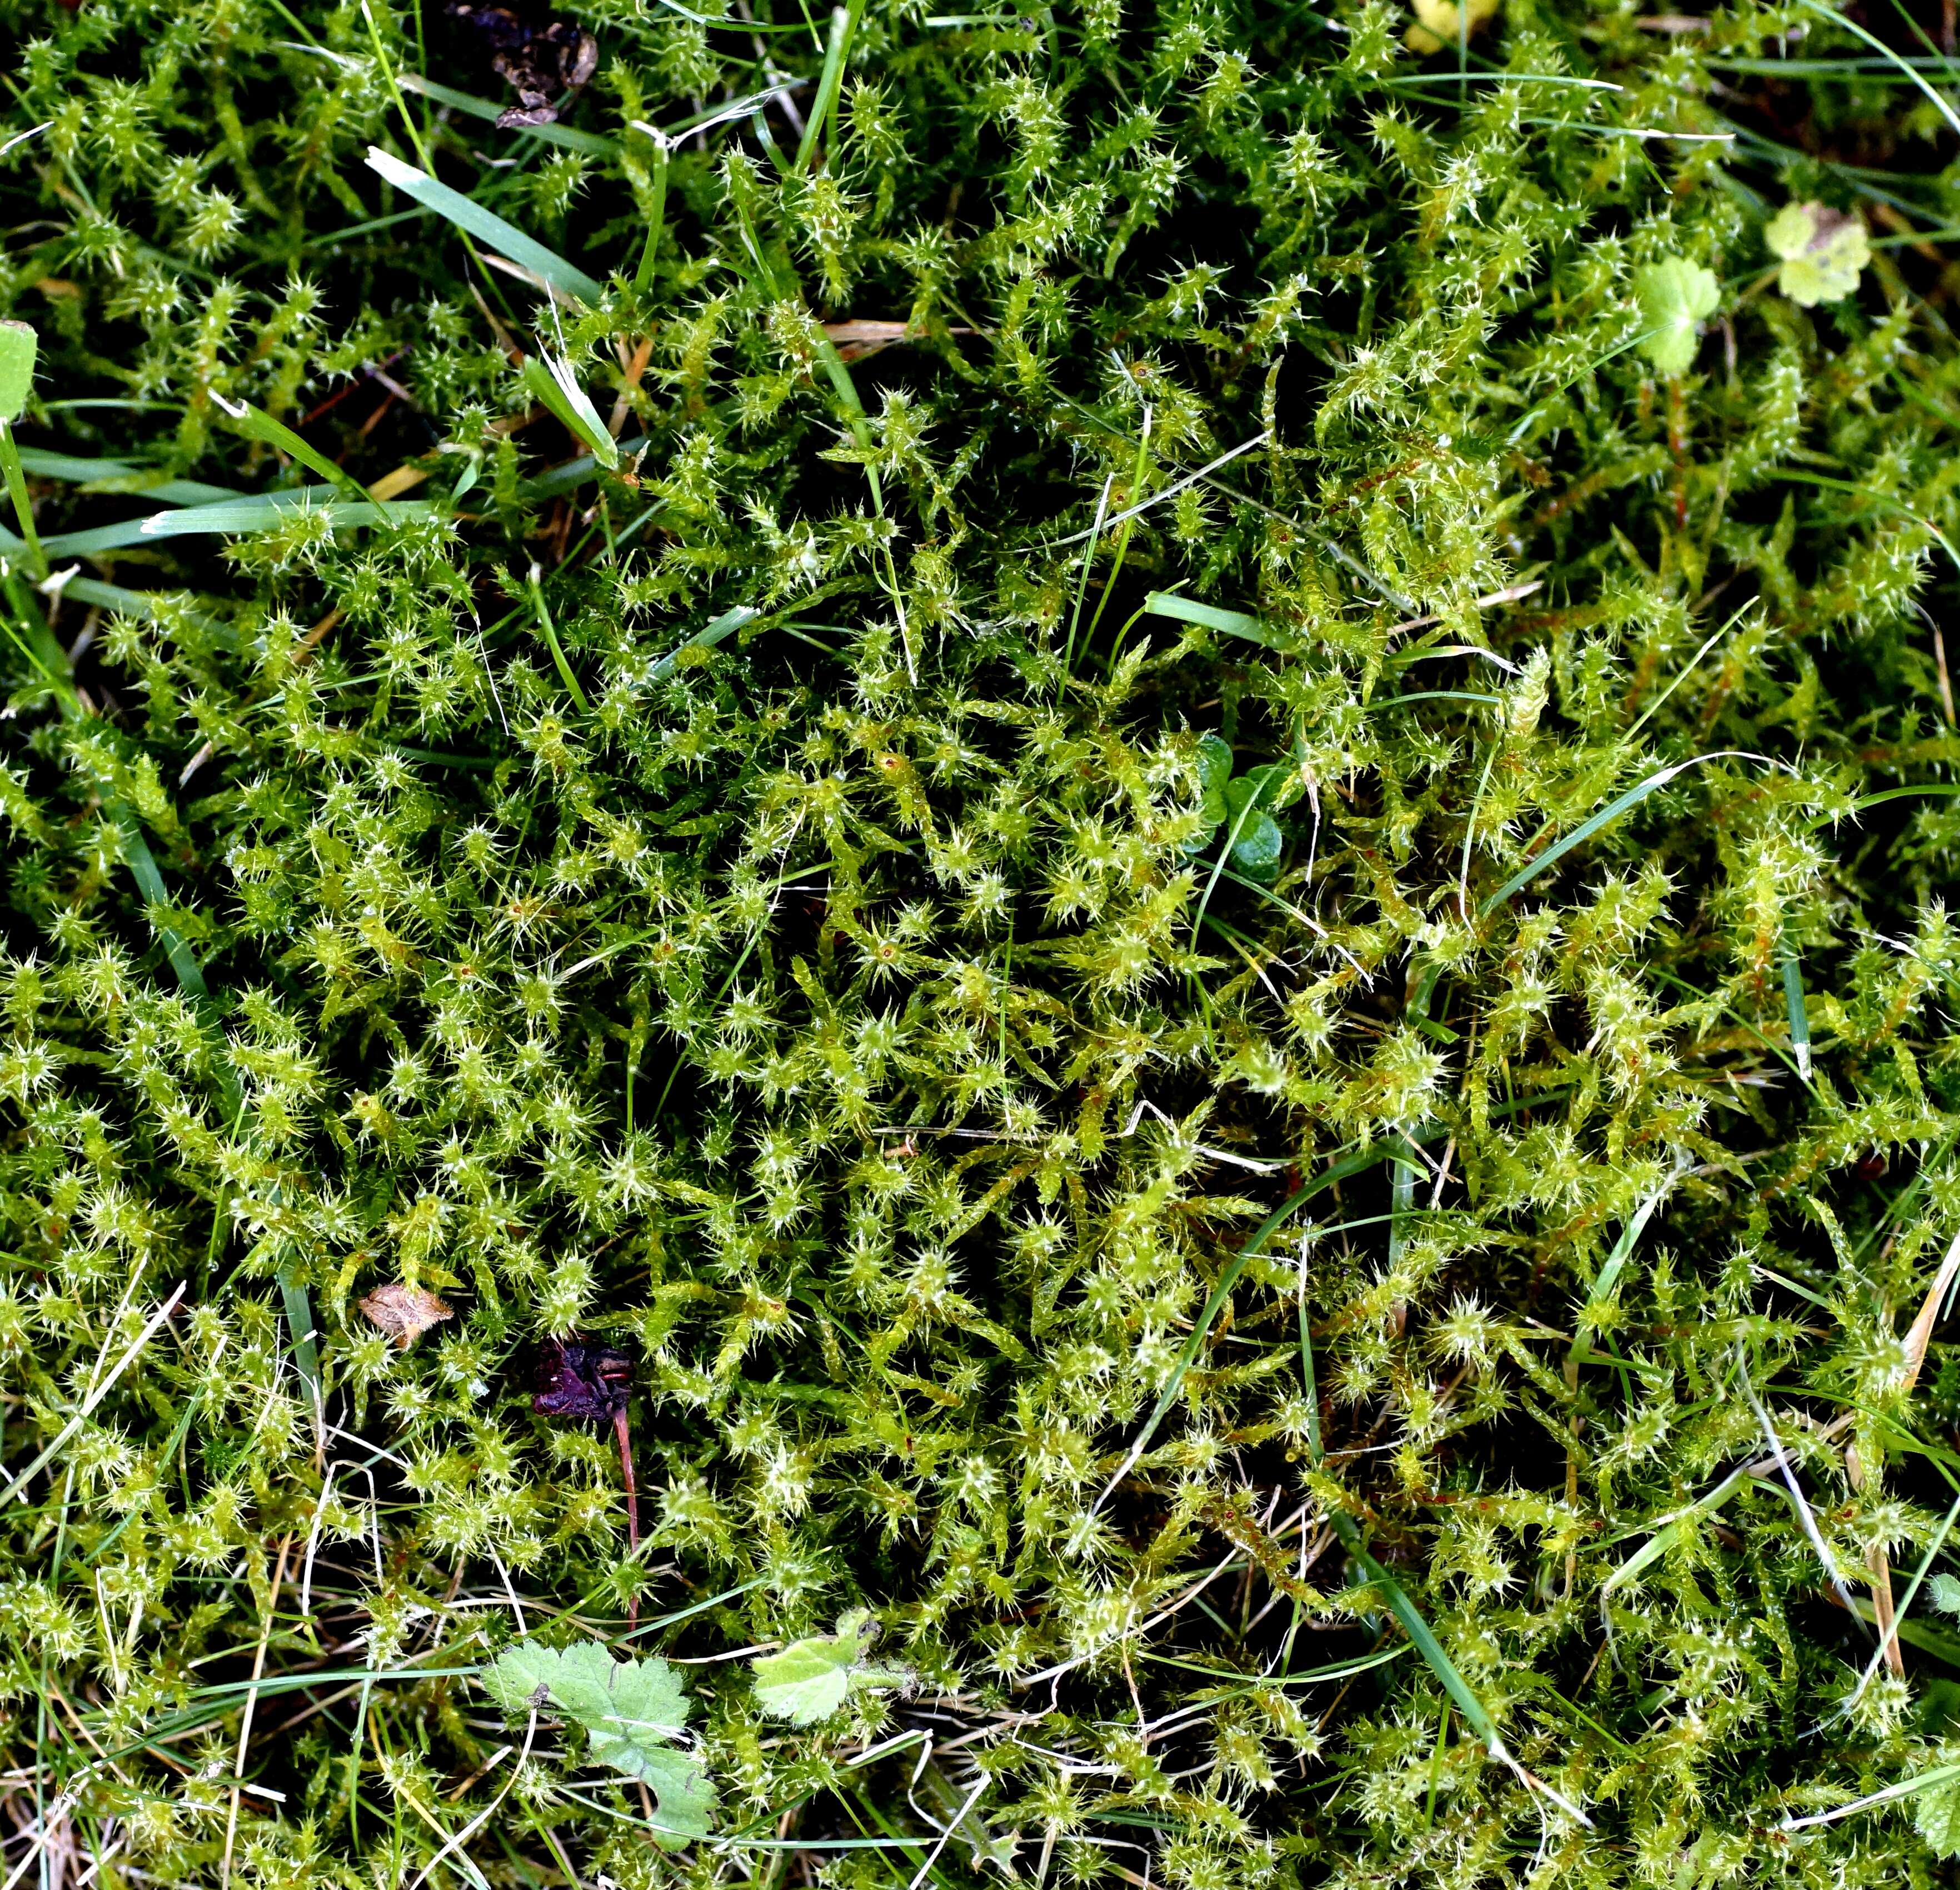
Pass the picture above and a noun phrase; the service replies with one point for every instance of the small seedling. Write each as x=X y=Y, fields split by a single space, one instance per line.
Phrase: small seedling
x=1675 y=297
x=808 y=1680
x=633 y=1712
x=1238 y=803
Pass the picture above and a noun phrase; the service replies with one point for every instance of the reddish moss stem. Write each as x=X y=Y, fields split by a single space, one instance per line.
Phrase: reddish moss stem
x=632 y=1504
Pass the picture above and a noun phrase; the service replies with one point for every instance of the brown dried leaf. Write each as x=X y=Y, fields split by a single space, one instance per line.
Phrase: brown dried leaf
x=1920 y=1335
x=855 y=339
x=404 y=1313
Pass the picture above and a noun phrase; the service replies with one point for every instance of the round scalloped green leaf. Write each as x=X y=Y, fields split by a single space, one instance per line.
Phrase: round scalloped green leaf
x=1675 y=297
x=18 y=346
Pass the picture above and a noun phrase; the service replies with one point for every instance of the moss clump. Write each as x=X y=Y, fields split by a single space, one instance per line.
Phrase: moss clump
x=1205 y=911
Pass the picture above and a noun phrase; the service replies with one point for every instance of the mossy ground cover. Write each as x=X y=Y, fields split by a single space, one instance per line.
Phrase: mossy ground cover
x=1137 y=816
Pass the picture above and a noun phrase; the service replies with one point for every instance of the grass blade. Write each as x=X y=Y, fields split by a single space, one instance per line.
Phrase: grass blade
x=94 y=1397
x=130 y=603
x=1339 y=1171
x=656 y=215
x=475 y=220
x=1909 y=1788
x=305 y=1351
x=706 y=637
x=1608 y=1277
x=843 y=28
x=1439 y=1663
x=1795 y=1009
x=1669 y=1532
x=1605 y=817
x=564 y=668
x=553 y=382
x=1878 y=45
x=1892 y=793
x=256 y=424
x=1231 y=623
x=142 y=866
x=1420 y=1634
x=24 y=511
x=263 y=512
x=566 y=137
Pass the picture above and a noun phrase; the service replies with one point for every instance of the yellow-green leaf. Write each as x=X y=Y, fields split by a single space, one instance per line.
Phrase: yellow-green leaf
x=810 y=1679
x=1822 y=250
x=18 y=346
x=1675 y=297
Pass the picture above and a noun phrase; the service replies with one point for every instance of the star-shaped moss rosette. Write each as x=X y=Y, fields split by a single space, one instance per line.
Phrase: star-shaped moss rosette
x=1823 y=252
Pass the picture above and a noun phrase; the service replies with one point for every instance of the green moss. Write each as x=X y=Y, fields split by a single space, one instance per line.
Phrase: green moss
x=780 y=907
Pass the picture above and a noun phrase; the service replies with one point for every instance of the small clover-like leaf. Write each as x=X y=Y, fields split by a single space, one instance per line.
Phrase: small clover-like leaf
x=1675 y=297
x=1256 y=851
x=810 y=1679
x=1258 y=844
x=1943 y=1591
x=633 y=1711
x=1822 y=252
x=18 y=347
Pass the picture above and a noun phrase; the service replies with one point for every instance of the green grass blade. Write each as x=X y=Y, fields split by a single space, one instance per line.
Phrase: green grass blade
x=1878 y=45
x=564 y=668
x=1797 y=1012
x=66 y=466
x=143 y=866
x=706 y=637
x=1420 y=1632
x=130 y=603
x=566 y=137
x=264 y=512
x=656 y=215
x=561 y=393
x=474 y=220
x=306 y=1350
x=24 y=512
x=1665 y=1537
x=1908 y=1788
x=256 y=424
x=843 y=28
x=21 y=1478
x=1892 y=793
x=1608 y=1276
x=1231 y=623
x=1605 y=817
x=1202 y=1327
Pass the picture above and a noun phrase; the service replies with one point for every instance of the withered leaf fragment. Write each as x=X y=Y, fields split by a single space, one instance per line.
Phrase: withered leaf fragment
x=404 y=1312
x=583 y=1382
x=542 y=63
